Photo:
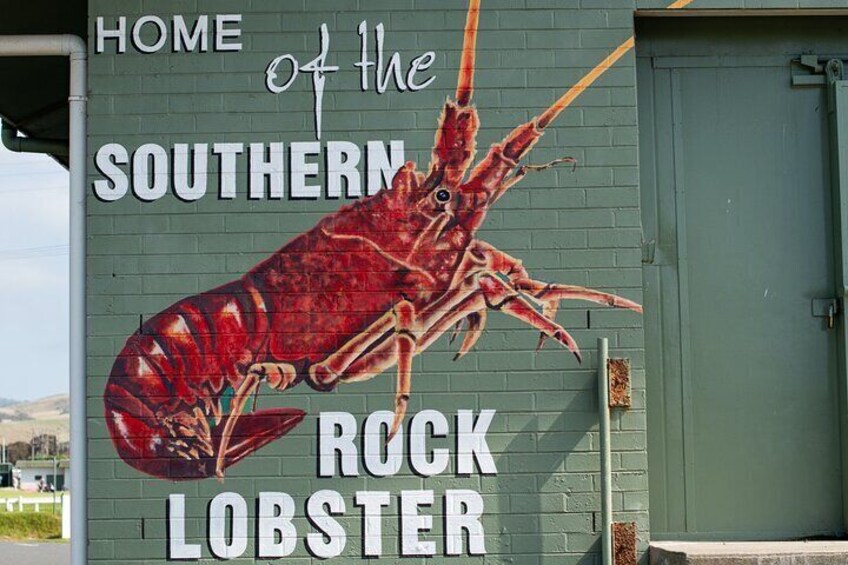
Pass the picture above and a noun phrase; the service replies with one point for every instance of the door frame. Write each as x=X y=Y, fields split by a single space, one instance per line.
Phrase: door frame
x=838 y=124
x=654 y=255
x=740 y=12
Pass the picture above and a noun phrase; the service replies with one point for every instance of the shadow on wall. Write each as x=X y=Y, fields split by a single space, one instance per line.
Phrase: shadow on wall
x=554 y=443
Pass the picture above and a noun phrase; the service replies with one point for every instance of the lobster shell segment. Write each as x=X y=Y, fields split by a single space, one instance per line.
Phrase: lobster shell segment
x=455 y=145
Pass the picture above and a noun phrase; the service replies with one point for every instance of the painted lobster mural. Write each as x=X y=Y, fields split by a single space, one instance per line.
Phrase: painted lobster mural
x=340 y=303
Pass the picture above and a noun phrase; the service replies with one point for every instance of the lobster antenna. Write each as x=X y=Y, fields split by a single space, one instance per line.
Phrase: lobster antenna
x=566 y=99
x=465 y=85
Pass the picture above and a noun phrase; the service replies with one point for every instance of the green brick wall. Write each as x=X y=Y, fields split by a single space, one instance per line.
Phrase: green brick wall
x=579 y=227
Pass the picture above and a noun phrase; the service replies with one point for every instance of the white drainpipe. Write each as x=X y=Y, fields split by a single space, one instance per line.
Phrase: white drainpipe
x=73 y=47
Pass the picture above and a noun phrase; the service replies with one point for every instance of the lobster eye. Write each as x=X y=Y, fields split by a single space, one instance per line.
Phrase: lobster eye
x=443 y=195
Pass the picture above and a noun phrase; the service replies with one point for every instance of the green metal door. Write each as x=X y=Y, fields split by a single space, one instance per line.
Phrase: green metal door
x=58 y=481
x=743 y=370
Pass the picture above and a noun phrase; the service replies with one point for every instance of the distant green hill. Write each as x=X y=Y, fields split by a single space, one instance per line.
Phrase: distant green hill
x=4 y=402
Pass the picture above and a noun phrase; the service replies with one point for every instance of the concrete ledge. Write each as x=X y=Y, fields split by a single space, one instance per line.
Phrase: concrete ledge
x=750 y=553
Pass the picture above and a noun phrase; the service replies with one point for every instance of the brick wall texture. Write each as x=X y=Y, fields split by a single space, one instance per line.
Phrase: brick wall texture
x=579 y=227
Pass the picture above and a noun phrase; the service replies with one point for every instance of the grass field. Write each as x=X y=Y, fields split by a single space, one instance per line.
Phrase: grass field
x=12 y=493
x=8 y=493
x=30 y=526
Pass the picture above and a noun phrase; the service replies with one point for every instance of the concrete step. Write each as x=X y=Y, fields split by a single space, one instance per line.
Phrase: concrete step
x=750 y=553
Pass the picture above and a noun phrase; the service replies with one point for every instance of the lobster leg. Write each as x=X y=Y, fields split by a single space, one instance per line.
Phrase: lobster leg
x=550 y=292
x=245 y=389
x=278 y=375
x=549 y=311
x=476 y=324
x=522 y=172
x=334 y=366
x=405 y=348
x=544 y=292
x=378 y=340
x=548 y=295
x=479 y=292
x=516 y=306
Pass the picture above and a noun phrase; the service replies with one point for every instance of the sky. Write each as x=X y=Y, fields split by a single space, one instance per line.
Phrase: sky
x=34 y=320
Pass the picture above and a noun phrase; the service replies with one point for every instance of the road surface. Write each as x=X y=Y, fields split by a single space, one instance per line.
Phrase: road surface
x=33 y=553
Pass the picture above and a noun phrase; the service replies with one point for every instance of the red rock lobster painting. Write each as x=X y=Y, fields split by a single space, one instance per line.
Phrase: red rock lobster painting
x=341 y=303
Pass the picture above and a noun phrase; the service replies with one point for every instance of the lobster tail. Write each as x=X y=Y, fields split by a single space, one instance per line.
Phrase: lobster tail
x=184 y=445
x=252 y=431
x=174 y=403
x=153 y=431
x=135 y=432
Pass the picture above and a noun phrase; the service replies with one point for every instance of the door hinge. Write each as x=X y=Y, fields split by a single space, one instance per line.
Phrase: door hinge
x=827 y=308
x=835 y=72
x=813 y=70
x=656 y=254
x=649 y=251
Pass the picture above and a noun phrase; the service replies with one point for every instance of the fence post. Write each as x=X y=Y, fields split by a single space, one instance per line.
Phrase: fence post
x=66 y=516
